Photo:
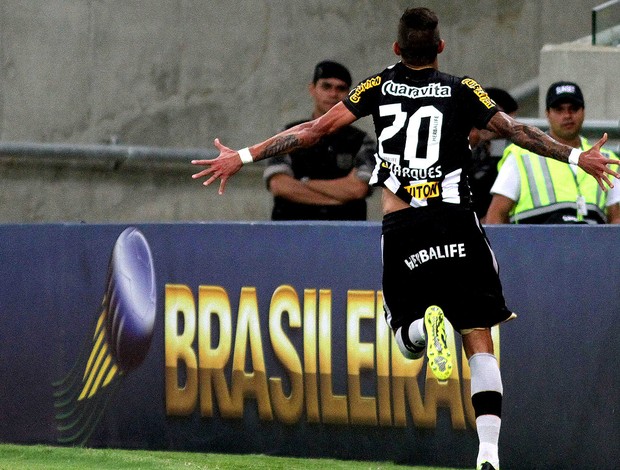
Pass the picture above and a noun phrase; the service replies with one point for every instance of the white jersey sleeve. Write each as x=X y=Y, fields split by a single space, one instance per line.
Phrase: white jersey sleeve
x=613 y=194
x=508 y=181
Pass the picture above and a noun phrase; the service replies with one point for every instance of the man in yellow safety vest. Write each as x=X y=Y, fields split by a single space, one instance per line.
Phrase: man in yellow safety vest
x=535 y=190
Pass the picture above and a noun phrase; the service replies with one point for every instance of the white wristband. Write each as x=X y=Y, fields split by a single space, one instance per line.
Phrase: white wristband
x=573 y=158
x=246 y=156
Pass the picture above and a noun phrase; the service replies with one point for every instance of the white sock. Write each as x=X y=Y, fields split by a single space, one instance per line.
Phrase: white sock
x=488 y=427
x=416 y=333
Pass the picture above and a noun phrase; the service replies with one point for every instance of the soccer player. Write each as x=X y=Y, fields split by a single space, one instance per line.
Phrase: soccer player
x=436 y=258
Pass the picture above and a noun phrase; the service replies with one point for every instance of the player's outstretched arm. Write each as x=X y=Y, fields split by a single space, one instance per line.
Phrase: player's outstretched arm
x=531 y=138
x=304 y=135
x=227 y=163
x=595 y=163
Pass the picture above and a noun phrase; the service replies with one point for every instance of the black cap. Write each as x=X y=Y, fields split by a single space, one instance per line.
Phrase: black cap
x=331 y=69
x=503 y=99
x=564 y=92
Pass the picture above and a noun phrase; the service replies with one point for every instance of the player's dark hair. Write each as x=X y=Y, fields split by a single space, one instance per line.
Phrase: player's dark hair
x=418 y=36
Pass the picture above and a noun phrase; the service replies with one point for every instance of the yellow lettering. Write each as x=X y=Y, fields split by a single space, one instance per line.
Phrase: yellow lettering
x=446 y=393
x=383 y=364
x=180 y=311
x=406 y=391
x=250 y=384
x=202 y=378
x=333 y=407
x=479 y=91
x=424 y=190
x=213 y=303
x=360 y=355
x=287 y=408
x=310 y=357
x=362 y=87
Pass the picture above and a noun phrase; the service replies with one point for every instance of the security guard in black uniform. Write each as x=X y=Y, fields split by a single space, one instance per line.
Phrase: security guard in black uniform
x=328 y=181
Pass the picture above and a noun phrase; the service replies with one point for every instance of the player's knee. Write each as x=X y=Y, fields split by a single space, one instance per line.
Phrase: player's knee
x=408 y=350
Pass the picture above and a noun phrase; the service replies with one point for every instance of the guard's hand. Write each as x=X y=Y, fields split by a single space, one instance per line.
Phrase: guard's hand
x=593 y=162
x=227 y=163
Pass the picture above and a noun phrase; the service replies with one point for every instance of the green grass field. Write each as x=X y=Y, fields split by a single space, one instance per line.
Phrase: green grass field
x=39 y=457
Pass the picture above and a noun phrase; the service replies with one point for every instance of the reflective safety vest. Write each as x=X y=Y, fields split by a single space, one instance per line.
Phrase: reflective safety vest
x=550 y=190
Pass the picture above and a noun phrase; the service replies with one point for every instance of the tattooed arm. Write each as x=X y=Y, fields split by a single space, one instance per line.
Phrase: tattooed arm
x=303 y=135
x=534 y=140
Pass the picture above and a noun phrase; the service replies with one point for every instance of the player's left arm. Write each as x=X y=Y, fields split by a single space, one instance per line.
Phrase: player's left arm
x=304 y=135
x=592 y=161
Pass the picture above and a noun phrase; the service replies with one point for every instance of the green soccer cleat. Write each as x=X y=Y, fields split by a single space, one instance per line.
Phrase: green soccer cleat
x=437 y=351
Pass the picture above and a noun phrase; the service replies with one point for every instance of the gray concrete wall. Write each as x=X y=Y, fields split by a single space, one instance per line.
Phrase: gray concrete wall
x=595 y=68
x=35 y=193
x=177 y=73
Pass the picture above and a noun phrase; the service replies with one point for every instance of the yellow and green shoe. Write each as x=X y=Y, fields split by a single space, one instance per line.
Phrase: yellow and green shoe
x=437 y=351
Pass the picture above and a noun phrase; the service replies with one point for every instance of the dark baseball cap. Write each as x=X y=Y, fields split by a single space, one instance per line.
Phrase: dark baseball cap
x=331 y=69
x=564 y=92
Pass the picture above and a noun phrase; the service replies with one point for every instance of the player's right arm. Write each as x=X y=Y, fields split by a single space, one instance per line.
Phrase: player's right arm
x=303 y=135
x=592 y=161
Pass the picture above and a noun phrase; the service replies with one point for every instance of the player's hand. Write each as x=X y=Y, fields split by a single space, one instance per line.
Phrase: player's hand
x=227 y=163
x=593 y=162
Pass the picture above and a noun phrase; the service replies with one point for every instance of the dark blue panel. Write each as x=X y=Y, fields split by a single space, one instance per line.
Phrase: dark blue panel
x=559 y=358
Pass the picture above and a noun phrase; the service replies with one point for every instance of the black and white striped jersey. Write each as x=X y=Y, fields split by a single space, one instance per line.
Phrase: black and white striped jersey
x=422 y=119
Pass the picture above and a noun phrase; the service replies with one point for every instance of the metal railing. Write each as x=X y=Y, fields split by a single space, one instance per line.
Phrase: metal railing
x=116 y=156
x=112 y=154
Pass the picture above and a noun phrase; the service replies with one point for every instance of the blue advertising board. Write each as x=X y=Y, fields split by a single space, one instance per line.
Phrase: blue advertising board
x=270 y=338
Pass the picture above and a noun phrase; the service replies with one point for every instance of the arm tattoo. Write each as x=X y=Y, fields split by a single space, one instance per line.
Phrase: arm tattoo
x=281 y=145
x=535 y=140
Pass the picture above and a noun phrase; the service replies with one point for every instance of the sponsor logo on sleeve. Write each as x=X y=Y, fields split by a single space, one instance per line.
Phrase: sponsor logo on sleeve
x=482 y=95
x=355 y=95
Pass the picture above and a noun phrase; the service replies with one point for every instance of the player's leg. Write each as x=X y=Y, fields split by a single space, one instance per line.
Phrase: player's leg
x=486 y=394
x=400 y=310
x=411 y=339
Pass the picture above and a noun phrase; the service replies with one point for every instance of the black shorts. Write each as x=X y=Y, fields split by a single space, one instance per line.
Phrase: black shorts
x=440 y=256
